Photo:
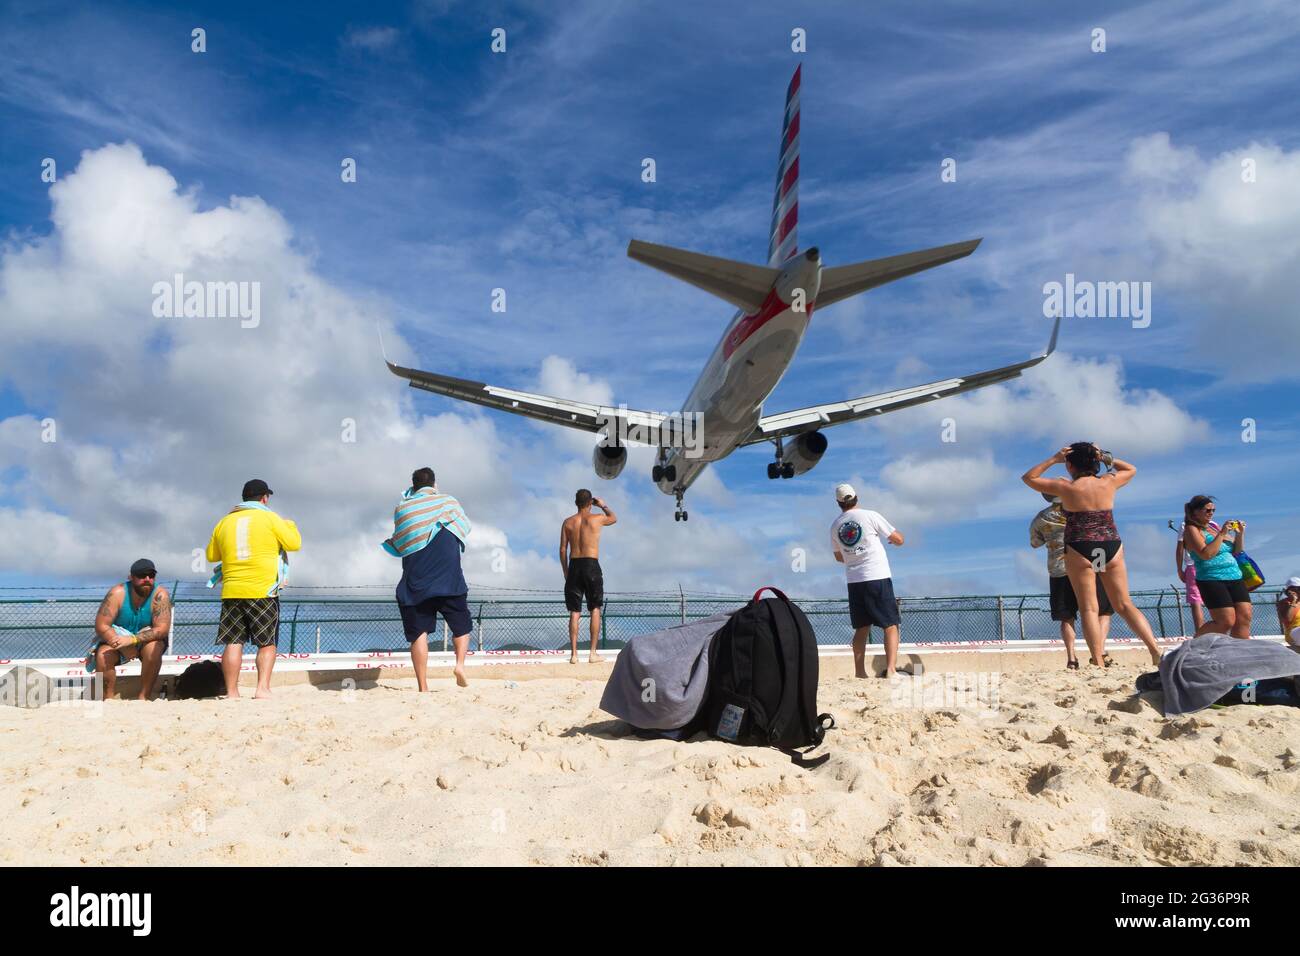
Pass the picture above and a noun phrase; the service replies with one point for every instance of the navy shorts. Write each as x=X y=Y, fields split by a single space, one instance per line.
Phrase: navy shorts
x=872 y=604
x=422 y=618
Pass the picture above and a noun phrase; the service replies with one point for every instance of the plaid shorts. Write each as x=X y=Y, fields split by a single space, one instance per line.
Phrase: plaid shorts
x=249 y=619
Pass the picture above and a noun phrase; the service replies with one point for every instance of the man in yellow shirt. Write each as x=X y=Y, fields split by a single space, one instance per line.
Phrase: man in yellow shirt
x=250 y=543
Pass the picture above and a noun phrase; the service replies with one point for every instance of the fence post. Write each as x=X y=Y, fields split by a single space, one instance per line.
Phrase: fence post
x=604 y=619
x=293 y=628
x=1160 y=611
x=683 y=602
x=480 y=626
x=1020 y=612
x=1002 y=621
x=444 y=635
x=1182 y=628
x=173 y=642
x=317 y=638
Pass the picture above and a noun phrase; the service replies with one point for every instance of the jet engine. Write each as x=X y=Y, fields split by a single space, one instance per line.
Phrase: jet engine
x=608 y=460
x=805 y=451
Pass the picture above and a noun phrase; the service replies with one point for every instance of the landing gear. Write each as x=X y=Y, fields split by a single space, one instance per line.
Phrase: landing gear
x=780 y=468
x=681 y=515
x=661 y=472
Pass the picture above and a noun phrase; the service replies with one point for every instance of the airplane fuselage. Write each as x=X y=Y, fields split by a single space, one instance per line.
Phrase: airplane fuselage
x=745 y=368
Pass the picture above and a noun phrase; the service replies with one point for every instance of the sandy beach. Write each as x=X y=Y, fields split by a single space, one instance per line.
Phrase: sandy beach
x=1011 y=768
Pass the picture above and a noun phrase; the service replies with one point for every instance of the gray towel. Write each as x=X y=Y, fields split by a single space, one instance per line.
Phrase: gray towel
x=676 y=659
x=1198 y=672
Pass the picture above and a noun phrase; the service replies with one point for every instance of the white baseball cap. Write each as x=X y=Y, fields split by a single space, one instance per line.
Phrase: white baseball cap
x=1292 y=582
x=843 y=492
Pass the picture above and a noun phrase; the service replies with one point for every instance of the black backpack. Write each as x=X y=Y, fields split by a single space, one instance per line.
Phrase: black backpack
x=201 y=681
x=763 y=679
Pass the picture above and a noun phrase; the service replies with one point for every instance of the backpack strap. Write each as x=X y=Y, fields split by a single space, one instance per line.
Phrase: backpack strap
x=777 y=591
x=790 y=668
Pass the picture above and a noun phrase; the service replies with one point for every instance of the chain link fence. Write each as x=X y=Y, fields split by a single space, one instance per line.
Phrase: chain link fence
x=37 y=623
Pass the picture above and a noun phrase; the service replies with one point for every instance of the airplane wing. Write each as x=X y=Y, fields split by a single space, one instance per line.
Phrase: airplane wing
x=814 y=417
x=558 y=411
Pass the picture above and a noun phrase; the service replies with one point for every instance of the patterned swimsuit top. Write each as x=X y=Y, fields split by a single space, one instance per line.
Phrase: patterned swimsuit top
x=1090 y=526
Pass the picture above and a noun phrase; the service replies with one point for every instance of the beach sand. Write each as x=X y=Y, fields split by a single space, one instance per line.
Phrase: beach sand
x=1011 y=768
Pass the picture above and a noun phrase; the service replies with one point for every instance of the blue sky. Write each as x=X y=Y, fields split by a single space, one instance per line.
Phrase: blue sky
x=522 y=171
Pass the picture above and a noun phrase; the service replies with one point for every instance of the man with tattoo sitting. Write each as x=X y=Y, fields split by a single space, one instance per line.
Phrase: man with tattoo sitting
x=134 y=620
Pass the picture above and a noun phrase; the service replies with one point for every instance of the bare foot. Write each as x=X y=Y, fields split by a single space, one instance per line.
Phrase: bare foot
x=889 y=672
x=595 y=659
x=573 y=659
x=262 y=694
x=460 y=677
x=232 y=695
x=862 y=674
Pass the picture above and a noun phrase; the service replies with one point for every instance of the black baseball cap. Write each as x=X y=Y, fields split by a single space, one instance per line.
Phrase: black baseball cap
x=141 y=566
x=254 y=488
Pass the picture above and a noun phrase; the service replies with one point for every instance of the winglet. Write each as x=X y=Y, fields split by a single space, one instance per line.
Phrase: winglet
x=382 y=350
x=1051 y=344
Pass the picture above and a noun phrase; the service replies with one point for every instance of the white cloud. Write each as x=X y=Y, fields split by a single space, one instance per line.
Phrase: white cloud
x=1227 y=245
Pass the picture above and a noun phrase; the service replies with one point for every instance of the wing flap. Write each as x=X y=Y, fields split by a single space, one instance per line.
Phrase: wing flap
x=585 y=416
x=787 y=424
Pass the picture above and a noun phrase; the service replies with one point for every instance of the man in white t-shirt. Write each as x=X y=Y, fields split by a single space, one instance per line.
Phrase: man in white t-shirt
x=858 y=538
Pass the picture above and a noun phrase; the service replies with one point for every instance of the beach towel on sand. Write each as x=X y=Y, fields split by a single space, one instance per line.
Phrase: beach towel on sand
x=676 y=659
x=1199 y=672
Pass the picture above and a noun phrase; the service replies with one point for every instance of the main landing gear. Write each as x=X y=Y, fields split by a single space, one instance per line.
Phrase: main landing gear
x=780 y=468
x=661 y=472
x=680 y=515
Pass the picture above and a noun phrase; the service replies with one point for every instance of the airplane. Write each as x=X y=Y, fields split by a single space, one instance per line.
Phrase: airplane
x=774 y=307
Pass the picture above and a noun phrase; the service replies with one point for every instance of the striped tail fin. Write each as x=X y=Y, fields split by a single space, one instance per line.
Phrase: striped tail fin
x=782 y=239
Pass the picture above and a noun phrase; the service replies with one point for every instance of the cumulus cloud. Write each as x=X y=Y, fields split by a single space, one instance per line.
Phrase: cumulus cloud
x=159 y=421
x=1223 y=232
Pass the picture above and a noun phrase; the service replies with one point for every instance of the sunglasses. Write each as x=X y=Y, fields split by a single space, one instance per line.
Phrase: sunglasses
x=147 y=575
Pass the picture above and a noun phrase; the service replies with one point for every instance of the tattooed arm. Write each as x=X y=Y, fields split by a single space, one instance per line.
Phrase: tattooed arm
x=107 y=613
x=161 y=625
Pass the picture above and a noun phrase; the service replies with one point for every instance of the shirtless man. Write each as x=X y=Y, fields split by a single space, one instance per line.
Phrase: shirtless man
x=579 y=554
x=134 y=620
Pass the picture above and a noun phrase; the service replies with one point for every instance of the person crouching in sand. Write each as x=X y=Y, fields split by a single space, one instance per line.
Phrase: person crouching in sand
x=429 y=534
x=1092 y=543
x=580 y=562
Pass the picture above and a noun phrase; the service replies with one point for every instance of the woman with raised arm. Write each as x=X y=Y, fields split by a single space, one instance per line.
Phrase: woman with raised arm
x=1214 y=552
x=1092 y=543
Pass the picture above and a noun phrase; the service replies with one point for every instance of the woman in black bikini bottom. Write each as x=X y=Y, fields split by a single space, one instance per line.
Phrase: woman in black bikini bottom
x=1090 y=534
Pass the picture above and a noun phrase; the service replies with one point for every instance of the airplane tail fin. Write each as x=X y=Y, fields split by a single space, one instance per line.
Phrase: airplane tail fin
x=782 y=241
x=841 y=282
x=743 y=285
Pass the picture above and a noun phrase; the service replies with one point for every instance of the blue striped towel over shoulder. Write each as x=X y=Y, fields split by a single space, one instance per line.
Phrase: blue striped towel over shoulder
x=420 y=514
